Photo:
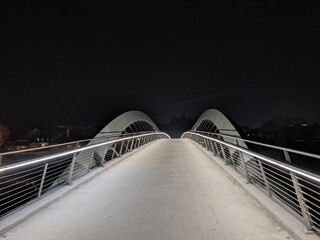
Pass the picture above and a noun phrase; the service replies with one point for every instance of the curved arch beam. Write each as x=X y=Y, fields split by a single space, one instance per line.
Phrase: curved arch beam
x=124 y=120
x=222 y=123
x=119 y=124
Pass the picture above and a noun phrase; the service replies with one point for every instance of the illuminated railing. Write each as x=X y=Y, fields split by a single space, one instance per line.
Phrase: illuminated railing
x=11 y=157
x=29 y=180
x=295 y=189
x=280 y=153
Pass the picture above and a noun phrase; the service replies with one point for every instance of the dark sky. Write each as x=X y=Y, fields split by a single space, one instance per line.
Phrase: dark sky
x=85 y=63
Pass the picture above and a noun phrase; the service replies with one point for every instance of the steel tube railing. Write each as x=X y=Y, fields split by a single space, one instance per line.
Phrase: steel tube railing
x=28 y=180
x=103 y=138
x=296 y=189
x=7 y=158
x=285 y=150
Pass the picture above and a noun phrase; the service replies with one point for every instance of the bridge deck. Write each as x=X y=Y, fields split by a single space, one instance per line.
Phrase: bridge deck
x=168 y=190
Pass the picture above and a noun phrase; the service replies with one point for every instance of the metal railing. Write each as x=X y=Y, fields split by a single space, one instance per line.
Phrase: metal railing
x=295 y=189
x=26 y=181
x=283 y=152
x=11 y=157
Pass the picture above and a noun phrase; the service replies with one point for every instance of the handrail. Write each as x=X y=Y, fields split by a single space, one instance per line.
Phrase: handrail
x=297 y=189
x=288 y=167
x=31 y=179
x=65 y=144
x=263 y=144
x=28 y=162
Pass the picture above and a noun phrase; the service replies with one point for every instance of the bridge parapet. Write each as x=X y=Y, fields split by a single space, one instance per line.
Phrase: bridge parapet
x=297 y=190
x=51 y=167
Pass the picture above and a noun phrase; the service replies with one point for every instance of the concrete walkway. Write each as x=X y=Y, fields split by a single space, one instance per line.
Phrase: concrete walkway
x=170 y=190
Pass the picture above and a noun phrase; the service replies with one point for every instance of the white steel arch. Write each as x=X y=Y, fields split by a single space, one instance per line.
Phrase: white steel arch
x=222 y=123
x=117 y=125
x=124 y=120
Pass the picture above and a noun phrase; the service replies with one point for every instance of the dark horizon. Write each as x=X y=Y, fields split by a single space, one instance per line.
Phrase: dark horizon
x=84 y=63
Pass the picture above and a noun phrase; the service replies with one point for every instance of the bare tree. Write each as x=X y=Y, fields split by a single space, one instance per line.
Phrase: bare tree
x=4 y=134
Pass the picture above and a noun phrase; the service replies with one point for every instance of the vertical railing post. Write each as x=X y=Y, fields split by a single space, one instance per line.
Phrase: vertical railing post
x=219 y=151
x=287 y=156
x=207 y=144
x=211 y=146
x=69 y=180
x=299 y=194
x=42 y=179
x=264 y=178
x=136 y=145
x=224 y=154
x=245 y=167
x=233 y=161
x=1 y=158
x=302 y=203
x=215 y=148
x=126 y=145
x=114 y=150
x=91 y=158
x=103 y=155
x=121 y=147
x=132 y=142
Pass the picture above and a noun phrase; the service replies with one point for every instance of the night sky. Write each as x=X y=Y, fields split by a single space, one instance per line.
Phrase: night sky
x=86 y=63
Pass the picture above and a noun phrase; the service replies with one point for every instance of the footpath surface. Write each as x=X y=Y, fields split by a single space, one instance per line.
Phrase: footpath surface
x=169 y=190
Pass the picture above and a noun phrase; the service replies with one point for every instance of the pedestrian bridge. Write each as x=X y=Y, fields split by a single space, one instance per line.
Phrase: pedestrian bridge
x=144 y=185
